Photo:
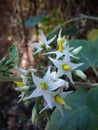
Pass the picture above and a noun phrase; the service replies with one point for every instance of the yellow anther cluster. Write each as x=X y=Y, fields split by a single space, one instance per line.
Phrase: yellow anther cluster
x=44 y=86
x=20 y=84
x=59 y=100
x=66 y=67
x=60 y=44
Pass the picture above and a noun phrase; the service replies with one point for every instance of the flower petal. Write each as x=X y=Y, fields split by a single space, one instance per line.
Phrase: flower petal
x=48 y=99
x=37 y=81
x=43 y=37
x=38 y=50
x=47 y=75
x=59 y=35
x=51 y=40
x=36 y=93
x=69 y=75
x=56 y=62
x=74 y=66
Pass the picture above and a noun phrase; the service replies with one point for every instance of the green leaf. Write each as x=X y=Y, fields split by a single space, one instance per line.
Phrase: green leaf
x=93 y=35
x=31 y=22
x=92 y=100
x=72 y=30
x=79 y=118
x=89 y=53
x=13 y=54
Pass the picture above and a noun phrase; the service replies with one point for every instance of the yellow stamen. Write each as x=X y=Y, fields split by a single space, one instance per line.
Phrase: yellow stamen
x=60 y=100
x=39 y=40
x=66 y=67
x=44 y=86
x=60 y=44
x=20 y=84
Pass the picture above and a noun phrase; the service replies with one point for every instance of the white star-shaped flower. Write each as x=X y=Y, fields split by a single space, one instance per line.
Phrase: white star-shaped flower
x=65 y=66
x=57 y=100
x=44 y=86
x=23 y=73
x=63 y=47
x=54 y=77
x=43 y=43
x=22 y=85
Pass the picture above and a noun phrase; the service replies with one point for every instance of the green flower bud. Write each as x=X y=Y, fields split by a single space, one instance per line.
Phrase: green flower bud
x=23 y=88
x=80 y=74
x=77 y=50
x=34 y=115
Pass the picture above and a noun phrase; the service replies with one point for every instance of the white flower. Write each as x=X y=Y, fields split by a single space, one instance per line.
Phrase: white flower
x=65 y=66
x=57 y=100
x=54 y=77
x=44 y=87
x=43 y=43
x=63 y=47
x=21 y=96
x=22 y=85
x=23 y=73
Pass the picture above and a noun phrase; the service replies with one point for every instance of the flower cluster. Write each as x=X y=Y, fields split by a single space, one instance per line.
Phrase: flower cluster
x=53 y=85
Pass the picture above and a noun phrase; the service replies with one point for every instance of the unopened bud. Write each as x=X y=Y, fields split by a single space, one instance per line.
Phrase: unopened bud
x=67 y=107
x=48 y=48
x=34 y=115
x=80 y=74
x=24 y=88
x=53 y=76
x=77 y=50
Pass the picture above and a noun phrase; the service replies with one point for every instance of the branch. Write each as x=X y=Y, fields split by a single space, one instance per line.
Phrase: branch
x=86 y=84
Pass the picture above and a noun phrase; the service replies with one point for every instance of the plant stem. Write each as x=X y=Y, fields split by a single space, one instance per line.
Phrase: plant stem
x=82 y=16
x=9 y=79
x=87 y=84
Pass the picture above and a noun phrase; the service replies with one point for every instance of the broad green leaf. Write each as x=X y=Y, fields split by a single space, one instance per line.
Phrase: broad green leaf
x=13 y=54
x=89 y=53
x=92 y=100
x=31 y=22
x=79 y=118
x=93 y=35
x=72 y=30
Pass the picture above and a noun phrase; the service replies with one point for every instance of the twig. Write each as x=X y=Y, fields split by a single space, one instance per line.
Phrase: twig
x=9 y=79
x=82 y=16
x=87 y=84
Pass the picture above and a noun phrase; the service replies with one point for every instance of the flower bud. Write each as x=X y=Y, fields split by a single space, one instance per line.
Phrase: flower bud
x=53 y=76
x=48 y=48
x=77 y=50
x=80 y=74
x=22 y=88
x=34 y=115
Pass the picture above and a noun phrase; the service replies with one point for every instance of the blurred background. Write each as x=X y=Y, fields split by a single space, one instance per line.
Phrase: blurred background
x=20 y=23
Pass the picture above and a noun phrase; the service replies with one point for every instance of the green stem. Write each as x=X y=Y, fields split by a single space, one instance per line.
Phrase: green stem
x=9 y=79
x=87 y=84
x=72 y=20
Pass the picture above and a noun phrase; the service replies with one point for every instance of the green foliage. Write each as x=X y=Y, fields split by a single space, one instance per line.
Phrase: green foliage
x=93 y=35
x=89 y=53
x=79 y=118
x=92 y=100
x=31 y=22
x=13 y=54
x=5 y=66
x=72 y=30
